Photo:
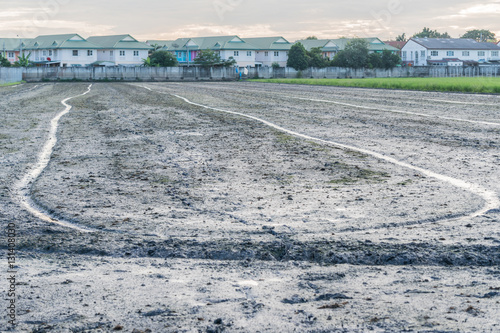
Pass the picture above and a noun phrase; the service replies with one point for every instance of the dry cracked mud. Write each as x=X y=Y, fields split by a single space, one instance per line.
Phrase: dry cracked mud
x=355 y=218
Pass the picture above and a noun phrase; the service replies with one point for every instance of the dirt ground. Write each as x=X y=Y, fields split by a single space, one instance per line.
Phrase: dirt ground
x=248 y=207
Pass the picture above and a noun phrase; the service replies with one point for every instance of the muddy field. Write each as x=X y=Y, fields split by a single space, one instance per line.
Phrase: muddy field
x=245 y=207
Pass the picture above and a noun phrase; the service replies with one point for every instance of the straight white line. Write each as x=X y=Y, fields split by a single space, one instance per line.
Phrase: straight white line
x=490 y=197
x=22 y=189
x=397 y=111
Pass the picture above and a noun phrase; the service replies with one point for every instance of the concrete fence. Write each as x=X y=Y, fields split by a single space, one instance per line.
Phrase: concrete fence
x=129 y=73
x=10 y=75
x=342 y=73
x=218 y=73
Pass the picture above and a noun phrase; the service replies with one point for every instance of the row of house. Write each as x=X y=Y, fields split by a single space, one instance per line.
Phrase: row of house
x=72 y=50
x=449 y=52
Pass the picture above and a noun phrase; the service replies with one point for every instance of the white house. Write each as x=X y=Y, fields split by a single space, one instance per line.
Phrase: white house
x=448 y=52
x=123 y=50
x=270 y=50
x=61 y=50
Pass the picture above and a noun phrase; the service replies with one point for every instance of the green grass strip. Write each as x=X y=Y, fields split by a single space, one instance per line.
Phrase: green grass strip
x=10 y=84
x=485 y=85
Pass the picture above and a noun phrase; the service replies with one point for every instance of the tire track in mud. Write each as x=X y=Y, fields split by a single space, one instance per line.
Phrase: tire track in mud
x=22 y=189
x=491 y=198
x=480 y=122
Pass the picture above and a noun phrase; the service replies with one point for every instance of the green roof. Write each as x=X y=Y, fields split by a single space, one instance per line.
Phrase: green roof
x=118 y=42
x=68 y=41
x=374 y=44
x=325 y=45
x=210 y=43
x=12 y=44
x=270 y=43
x=162 y=43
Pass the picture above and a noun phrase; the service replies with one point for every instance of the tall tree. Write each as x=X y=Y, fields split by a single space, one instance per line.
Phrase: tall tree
x=428 y=33
x=297 y=57
x=480 y=35
x=356 y=53
x=316 y=59
x=312 y=38
x=390 y=59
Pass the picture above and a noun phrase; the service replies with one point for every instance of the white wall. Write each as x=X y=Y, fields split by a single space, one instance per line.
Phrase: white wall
x=64 y=56
x=413 y=48
x=270 y=58
x=414 y=53
x=243 y=59
x=129 y=59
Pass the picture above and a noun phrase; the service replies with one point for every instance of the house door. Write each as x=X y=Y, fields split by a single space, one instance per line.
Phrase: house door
x=416 y=58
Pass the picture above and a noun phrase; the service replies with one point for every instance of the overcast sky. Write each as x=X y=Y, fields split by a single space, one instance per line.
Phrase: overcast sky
x=292 y=19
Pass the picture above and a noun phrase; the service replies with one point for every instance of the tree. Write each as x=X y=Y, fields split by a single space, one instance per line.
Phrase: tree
x=4 y=62
x=208 y=58
x=356 y=53
x=312 y=38
x=297 y=57
x=390 y=59
x=316 y=59
x=375 y=60
x=339 y=60
x=23 y=60
x=480 y=35
x=401 y=38
x=163 y=59
x=428 y=33
x=147 y=62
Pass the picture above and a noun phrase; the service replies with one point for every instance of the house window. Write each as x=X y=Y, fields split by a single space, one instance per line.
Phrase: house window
x=44 y=53
x=450 y=53
x=90 y=53
x=494 y=53
x=136 y=53
x=11 y=55
x=465 y=53
x=236 y=53
x=122 y=53
x=50 y=53
x=276 y=53
x=422 y=53
x=266 y=54
x=249 y=53
x=404 y=55
x=480 y=53
x=111 y=53
x=434 y=53
x=75 y=53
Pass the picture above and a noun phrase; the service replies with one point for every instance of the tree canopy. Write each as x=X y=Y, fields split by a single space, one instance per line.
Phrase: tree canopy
x=428 y=33
x=163 y=59
x=3 y=61
x=356 y=53
x=209 y=58
x=480 y=35
x=297 y=57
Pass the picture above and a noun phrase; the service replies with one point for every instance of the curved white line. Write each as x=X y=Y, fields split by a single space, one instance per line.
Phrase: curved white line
x=22 y=189
x=490 y=197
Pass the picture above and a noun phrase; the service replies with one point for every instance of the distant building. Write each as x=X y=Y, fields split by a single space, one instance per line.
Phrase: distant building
x=11 y=48
x=448 y=52
x=375 y=45
x=187 y=49
x=61 y=50
x=327 y=46
x=119 y=50
x=270 y=50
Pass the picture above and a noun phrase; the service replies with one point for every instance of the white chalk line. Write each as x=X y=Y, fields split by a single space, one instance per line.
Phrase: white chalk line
x=490 y=197
x=22 y=189
x=397 y=111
